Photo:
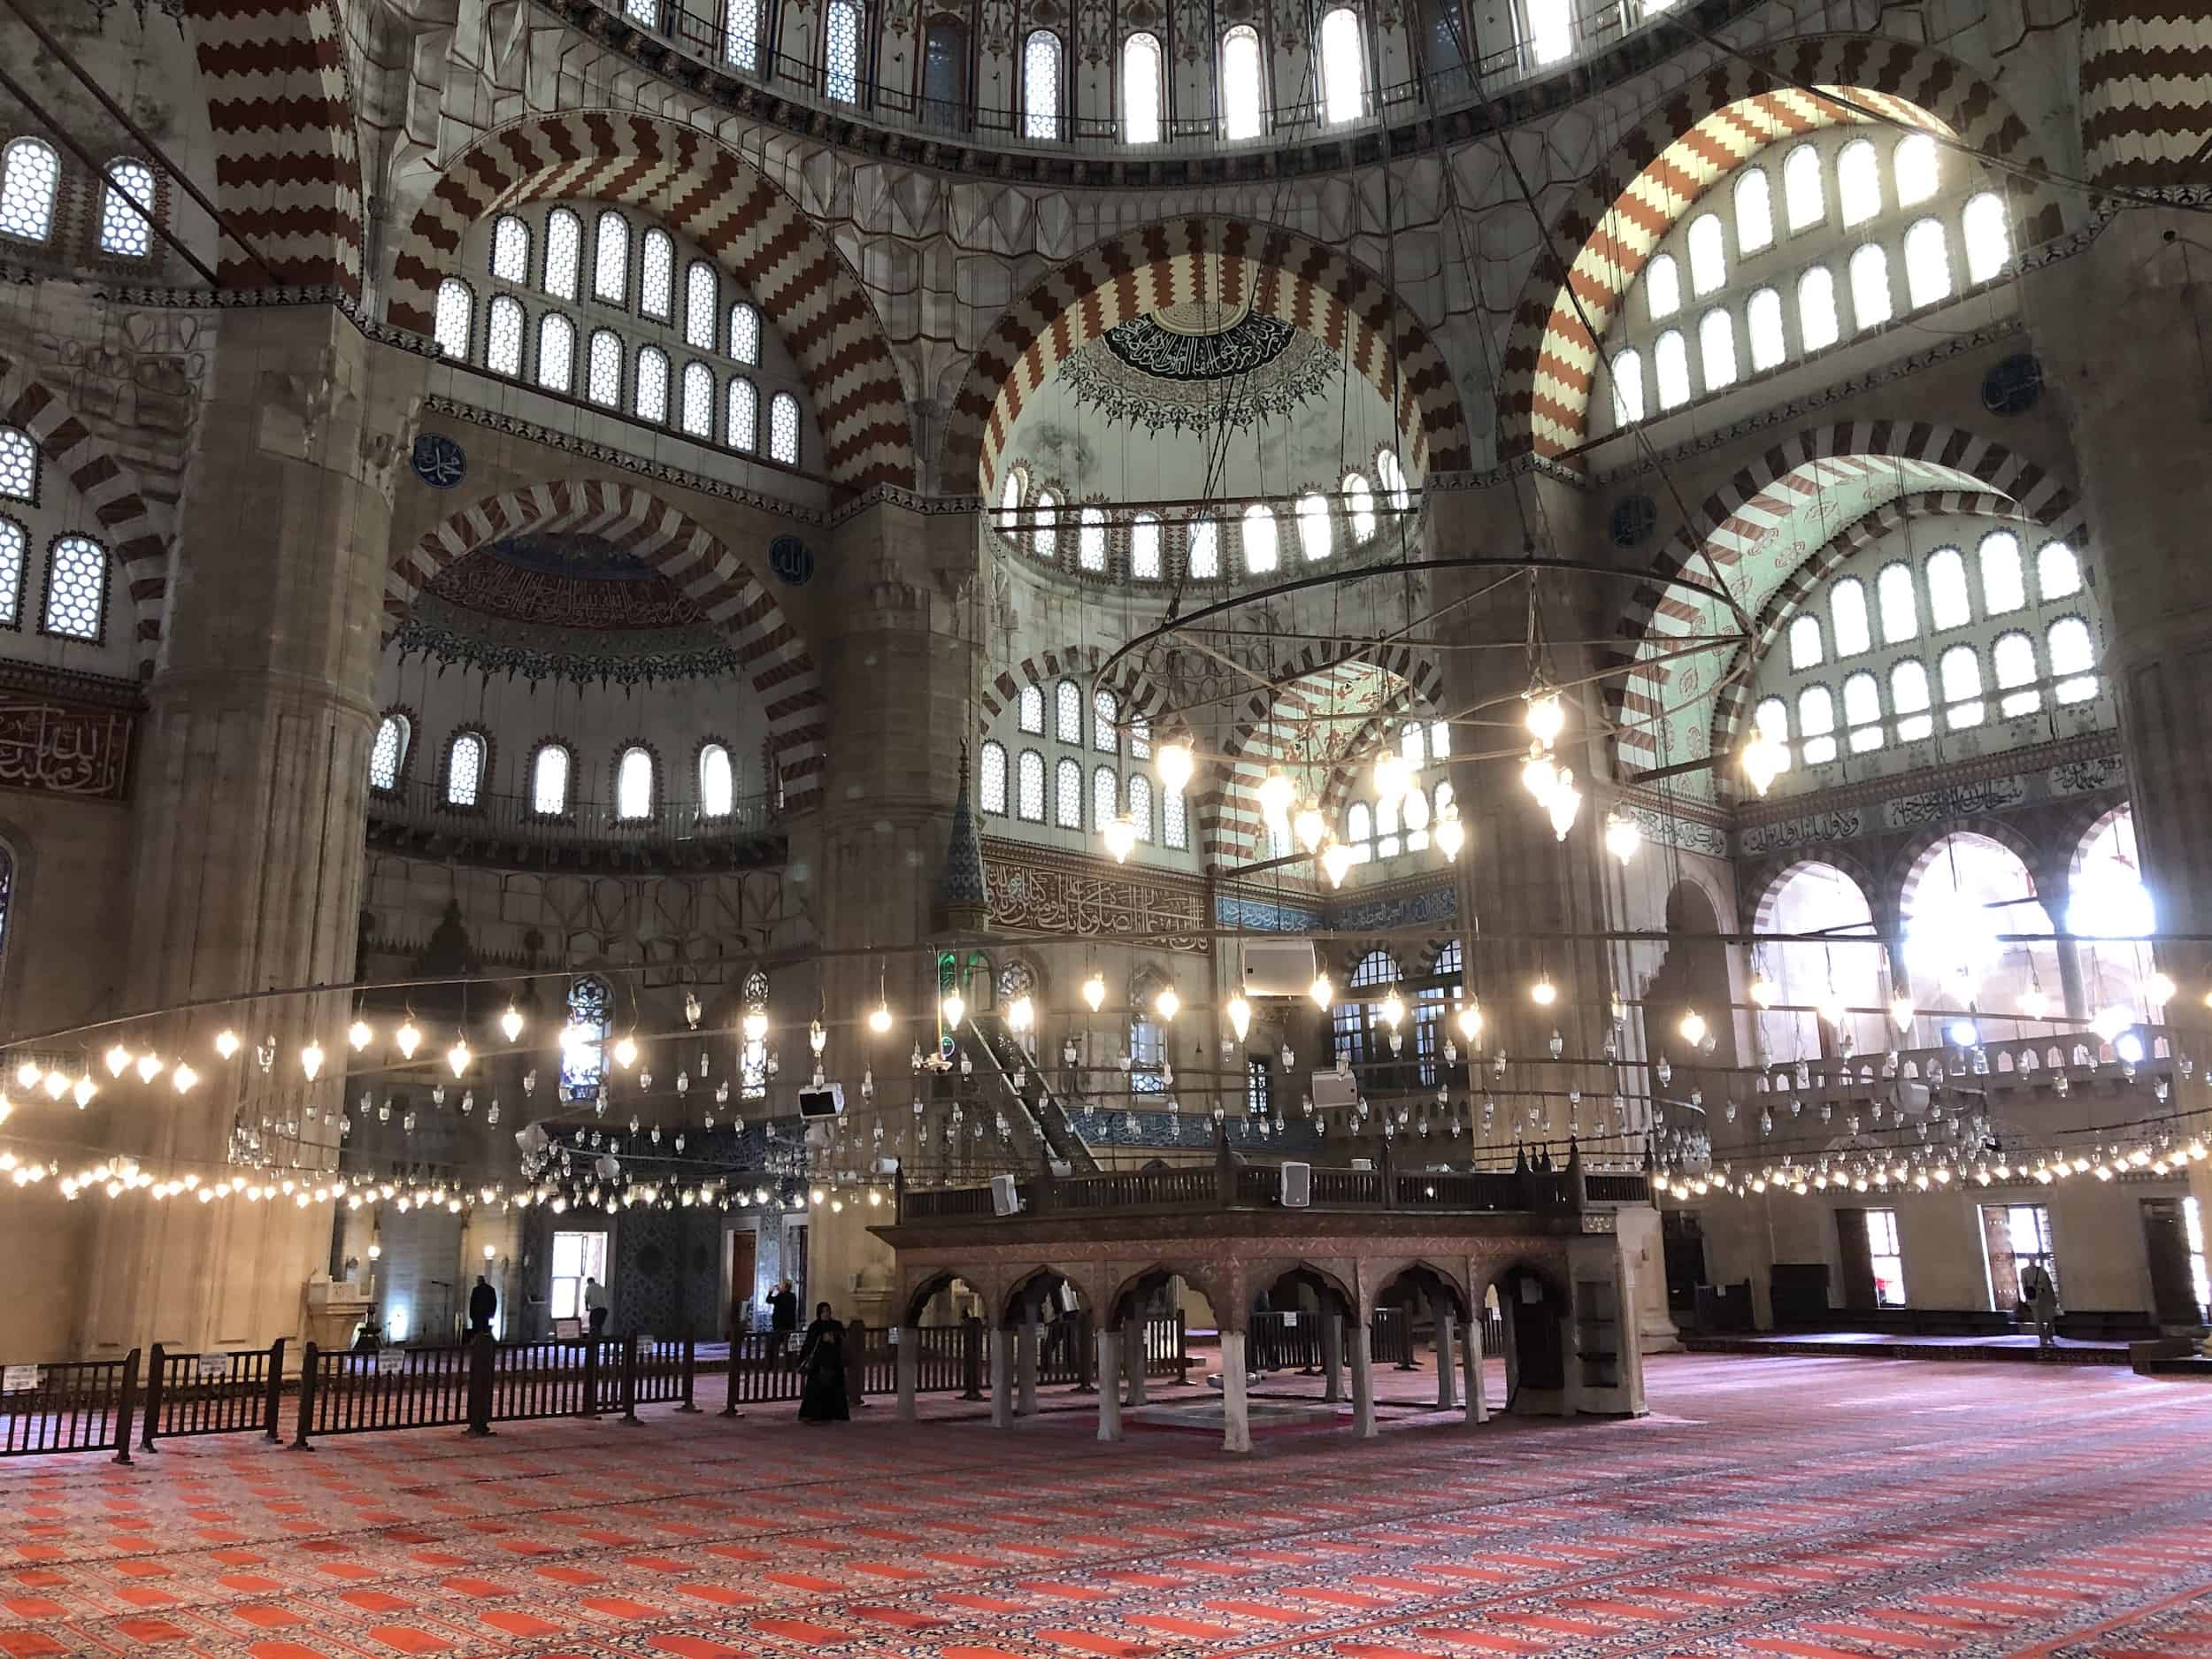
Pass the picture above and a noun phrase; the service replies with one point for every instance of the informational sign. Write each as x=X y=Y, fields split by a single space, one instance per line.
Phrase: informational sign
x=563 y=1330
x=18 y=1379
x=214 y=1365
x=1290 y=1322
x=390 y=1362
x=644 y=1343
x=894 y=1336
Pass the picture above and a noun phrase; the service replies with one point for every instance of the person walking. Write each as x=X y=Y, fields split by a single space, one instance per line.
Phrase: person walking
x=2041 y=1296
x=783 y=1314
x=595 y=1305
x=822 y=1398
x=483 y=1305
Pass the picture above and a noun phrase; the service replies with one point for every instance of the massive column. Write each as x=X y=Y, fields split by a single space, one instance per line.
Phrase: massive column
x=248 y=810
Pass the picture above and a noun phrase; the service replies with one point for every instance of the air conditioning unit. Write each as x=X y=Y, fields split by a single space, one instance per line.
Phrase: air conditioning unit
x=1279 y=967
x=1005 y=1201
x=823 y=1103
x=1335 y=1088
x=1297 y=1185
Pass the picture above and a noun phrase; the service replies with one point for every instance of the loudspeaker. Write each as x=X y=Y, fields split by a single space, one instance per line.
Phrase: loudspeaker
x=1335 y=1088
x=823 y=1103
x=1279 y=967
x=1297 y=1185
x=1005 y=1201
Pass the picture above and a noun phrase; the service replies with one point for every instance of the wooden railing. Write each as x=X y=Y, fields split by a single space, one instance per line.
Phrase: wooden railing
x=417 y=810
x=212 y=1392
x=73 y=1406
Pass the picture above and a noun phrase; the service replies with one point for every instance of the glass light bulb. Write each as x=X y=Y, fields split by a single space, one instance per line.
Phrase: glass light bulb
x=1336 y=862
x=1276 y=791
x=625 y=1052
x=1540 y=776
x=28 y=1073
x=407 y=1040
x=510 y=1023
x=457 y=1055
x=1763 y=990
x=817 y=1039
x=1901 y=1011
x=1167 y=1005
x=1835 y=1011
x=954 y=1007
x=1764 y=759
x=1623 y=835
x=86 y=1088
x=311 y=1060
x=1449 y=834
x=226 y=1043
x=1692 y=1028
x=1322 y=991
x=1239 y=1017
x=1310 y=827
x=880 y=1021
x=1121 y=837
x=149 y=1069
x=57 y=1084
x=1547 y=717
x=1394 y=1009
x=1470 y=1021
x=183 y=1078
x=1175 y=762
x=1543 y=993
x=1393 y=776
x=1023 y=1014
x=2033 y=1003
x=1094 y=992
x=2159 y=989
x=118 y=1060
x=1565 y=803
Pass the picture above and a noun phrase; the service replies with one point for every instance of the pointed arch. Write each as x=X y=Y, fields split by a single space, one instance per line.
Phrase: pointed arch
x=707 y=191
x=783 y=670
x=1645 y=184
x=1278 y=272
x=1138 y=693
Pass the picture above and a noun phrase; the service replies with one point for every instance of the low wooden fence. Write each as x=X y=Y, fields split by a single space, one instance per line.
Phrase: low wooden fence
x=1295 y=1341
x=220 y=1392
x=76 y=1406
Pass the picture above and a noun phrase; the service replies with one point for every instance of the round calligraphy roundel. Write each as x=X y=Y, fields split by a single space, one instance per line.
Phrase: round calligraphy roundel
x=791 y=559
x=1635 y=519
x=439 y=461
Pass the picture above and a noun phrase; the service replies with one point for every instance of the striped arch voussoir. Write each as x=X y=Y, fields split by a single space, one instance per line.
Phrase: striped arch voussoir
x=702 y=188
x=1138 y=693
x=137 y=540
x=1283 y=274
x=1621 y=212
x=782 y=670
x=1231 y=825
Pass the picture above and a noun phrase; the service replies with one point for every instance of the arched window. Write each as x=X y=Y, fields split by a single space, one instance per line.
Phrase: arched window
x=1817 y=321
x=1709 y=255
x=584 y=1039
x=741 y=35
x=1863 y=711
x=634 y=784
x=1670 y=361
x=1771 y=720
x=2004 y=584
x=76 y=589
x=991 y=780
x=717 y=788
x=126 y=201
x=1899 y=605
x=656 y=275
x=1989 y=240
x=1919 y=164
x=603 y=369
x=464 y=768
x=1202 y=551
x=1846 y=617
x=1417 y=813
x=1140 y=738
x=1029 y=787
x=741 y=426
x=548 y=780
x=511 y=248
x=1359 y=508
x=1754 y=212
x=1174 y=820
x=1040 y=86
x=2073 y=659
x=503 y=336
x=1805 y=650
x=744 y=333
x=1816 y=724
x=1029 y=709
x=2012 y=663
x=1763 y=315
x=1067 y=712
x=1359 y=831
x=841 y=51
x=1927 y=263
x=30 y=176
x=1313 y=537
x=1803 y=201
x=945 y=99
x=1141 y=86
x=1859 y=182
x=1716 y=348
x=1044 y=525
x=1948 y=606
x=1550 y=30
x=1144 y=547
x=783 y=429
x=611 y=258
x=1387 y=826
x=1908 y=700
x=456 y=313
x=650 y=397
x=556 y=352
x=15 y=545
x=1105 y=796
x=1394 y=481
x=564 y=252
x=1259 y=538
x=387 y=755
x=1869 y=287
x=1090 y=540
x=1343 y=68
x=2057 y=572
x=701 y=298
x=1663 y=286
x=1105 y=722
x=1627 y=369
x=1067 y=793
x=1141 y=805
x=1009 y=500
x=1442 y=31
x=1961 y=672
x=698 y=400
x=1241 y=98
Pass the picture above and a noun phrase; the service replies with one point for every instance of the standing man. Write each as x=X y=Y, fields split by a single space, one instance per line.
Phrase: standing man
x=483 y=1303
x=2042 y=1297
x=783 y=1314
x=595 y=1305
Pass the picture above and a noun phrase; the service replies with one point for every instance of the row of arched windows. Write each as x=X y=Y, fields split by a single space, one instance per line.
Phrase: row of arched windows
x=1023 y=796
x=1949 y=594
x=1340 y=67
x=74 y=601
x=1385 y=828
x=552 y=772
x=30 y=189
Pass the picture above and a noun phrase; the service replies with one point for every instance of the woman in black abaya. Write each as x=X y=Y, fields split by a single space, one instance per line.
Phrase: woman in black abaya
x=822 y=1371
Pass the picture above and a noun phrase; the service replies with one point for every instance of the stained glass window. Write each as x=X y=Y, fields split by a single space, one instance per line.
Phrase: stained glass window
x=991 y=780
x=752 y=1055
x=457 y=309
x=651 y=400
x=1141 y=89
x=744 y=333
x=783 y=428
x=1259 y=538
x=1802 y=195
x=123 y=228
x=1090 y=541
x=1241 y=96
x=564 y=252
x=2073 y=659
x=1040 y=86
x=1140 y=738
x=1763 y=318
x=603 y=369
x=1203 y=552
x=1105 y=722
x=30 y=174
x=389 y=752
x=742 y=431
x=1067 y=714
x=634 y=784
x=1030 y=782
x=656 y=275
x=556 y=352
x=1105 y=796
x=1314 y=529
x=584 y=1039
x=1628 y=389
x=840 y=52
x=1067 y=795
x=503 y=338
x=1927 y=264
x=1144 y=547
x=717 y=789
x=1818 y=325
x=511 y=248
x=740 y=38
x=1343 y=68
x=465 y=770
x=76 y=589
x=698 y=403
x=549 y=781
x=701 y=297
x=1754 y=211
x=18 y=464
x=1044 y=525
x=1030 y=710
x=1359 y=507
x=1989 y=240
x=611 y=258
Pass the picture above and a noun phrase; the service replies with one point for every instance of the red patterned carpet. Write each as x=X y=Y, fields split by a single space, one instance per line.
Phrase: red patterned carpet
x=1770 y=1506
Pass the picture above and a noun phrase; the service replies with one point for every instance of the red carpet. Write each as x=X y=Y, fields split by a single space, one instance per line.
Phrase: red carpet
x=1795 y=1509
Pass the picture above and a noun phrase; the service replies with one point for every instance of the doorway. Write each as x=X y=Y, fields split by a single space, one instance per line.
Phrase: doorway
x=1682 y=1237
x=2177 y=1261
x=744 y=1254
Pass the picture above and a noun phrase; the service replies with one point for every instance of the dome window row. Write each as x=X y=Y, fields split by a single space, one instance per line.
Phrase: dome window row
x=463 y=777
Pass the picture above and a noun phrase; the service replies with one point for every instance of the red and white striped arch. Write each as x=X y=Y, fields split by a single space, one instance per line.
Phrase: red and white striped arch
x=1647 y=184
x=699 y=186
x=1282 y=273
x=782 y=669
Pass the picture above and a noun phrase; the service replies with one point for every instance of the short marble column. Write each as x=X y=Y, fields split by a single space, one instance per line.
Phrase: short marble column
x=1333 y=1357
x=1109 y=1384
x=1471 y=1353
x=909 y=1359
x=1362 y=1381
x=1441 y=1316
x=1132 y=1358
x=1002 y=1378
x=1025 y=1368
x=1236 y=1412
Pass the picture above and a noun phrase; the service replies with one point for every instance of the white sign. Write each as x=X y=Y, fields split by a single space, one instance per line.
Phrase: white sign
x=18 y=1379
x=390 y=1362
x=214 y=1364
x=644 y=1343
x=1290 y=1322
x=894 y=1336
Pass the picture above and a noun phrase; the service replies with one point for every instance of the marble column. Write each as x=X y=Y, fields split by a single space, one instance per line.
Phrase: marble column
x=910 y=1364
x=1236 y=1415
x=1441 y=1316
x=1332 y=1357
x=1025 y=1368
x=1478 y=1406
x=1001 y=1378
x=1109 y=1342
x=1362 y=1381
x=1133 y=1357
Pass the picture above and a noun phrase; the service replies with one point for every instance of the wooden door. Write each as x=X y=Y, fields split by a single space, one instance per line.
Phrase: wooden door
x=1858 y=1260
x=2166 y=1239
x=743 y=1243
